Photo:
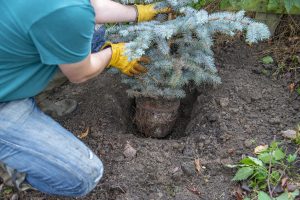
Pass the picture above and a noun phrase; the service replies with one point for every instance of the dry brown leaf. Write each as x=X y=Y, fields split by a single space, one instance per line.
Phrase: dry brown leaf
x=197 y=165
x=292 y=87
x=259 y=149
x=284 y=182
x=238 y=193
x=84 y=134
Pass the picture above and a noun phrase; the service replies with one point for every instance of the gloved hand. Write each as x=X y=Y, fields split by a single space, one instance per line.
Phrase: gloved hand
x=120 y=61
x=148 y=12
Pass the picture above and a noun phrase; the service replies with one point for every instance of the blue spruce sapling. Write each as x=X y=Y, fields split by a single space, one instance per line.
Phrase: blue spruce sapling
x=181 y=48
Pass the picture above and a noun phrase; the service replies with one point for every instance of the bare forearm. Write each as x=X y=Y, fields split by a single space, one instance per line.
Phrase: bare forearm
x=89 y=68
x=99 y=61
x=108 y=11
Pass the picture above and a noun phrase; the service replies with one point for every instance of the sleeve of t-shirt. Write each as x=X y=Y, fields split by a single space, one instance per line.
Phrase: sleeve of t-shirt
x=65 y=35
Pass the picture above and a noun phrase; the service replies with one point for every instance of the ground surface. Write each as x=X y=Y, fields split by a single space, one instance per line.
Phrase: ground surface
x=216 y=125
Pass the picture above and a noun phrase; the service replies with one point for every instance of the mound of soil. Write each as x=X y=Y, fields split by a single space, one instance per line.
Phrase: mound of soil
x=216 y=125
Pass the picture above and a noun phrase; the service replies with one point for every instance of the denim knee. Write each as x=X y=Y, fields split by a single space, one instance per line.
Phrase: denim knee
x=91 y=176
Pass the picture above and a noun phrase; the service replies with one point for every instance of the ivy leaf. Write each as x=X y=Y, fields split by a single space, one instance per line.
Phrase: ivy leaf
x=263 y=196
x=288 y=5
x=243 y=173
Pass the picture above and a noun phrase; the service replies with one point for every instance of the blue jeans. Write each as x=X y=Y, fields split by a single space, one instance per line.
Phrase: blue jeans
x=53 y=159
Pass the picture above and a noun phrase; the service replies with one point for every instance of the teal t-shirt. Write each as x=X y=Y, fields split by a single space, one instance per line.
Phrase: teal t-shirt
x=36 y=36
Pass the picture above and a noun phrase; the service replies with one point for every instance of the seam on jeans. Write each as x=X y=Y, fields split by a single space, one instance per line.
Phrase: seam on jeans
x=56 y=161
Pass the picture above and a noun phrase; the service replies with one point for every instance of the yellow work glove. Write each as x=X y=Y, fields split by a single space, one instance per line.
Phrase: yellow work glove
x=120 y=61
x=148 y=12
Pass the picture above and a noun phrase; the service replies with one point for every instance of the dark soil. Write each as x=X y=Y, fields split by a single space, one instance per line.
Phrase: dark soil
x=218 y=125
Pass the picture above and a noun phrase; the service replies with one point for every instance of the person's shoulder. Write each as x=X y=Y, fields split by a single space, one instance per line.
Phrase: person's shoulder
x=31 y=11
x=69 y=8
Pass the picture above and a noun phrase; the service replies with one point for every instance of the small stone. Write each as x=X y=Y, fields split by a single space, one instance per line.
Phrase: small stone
x=188 y=168
x=207 y=141
x=213 y=117
x=188 y=151
x=225 y=137
x=278 y=189
x=177 y=175
x=248 y=143
x=235 y=110
x=226 y=161
x=129 y=151
x=274 y=120
x=245 y=187
x=224 y=102
x=290 y=134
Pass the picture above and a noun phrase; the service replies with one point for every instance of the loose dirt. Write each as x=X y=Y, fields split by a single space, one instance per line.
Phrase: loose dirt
x=217 y=125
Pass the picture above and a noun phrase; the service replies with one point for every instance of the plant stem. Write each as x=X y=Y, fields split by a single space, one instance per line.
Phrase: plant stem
x=269 y=174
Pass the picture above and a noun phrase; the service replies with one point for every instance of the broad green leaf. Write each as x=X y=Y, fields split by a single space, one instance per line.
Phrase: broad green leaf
x=267 y=60
x=263 y=196
x=283 y=196
x=275 y=176
x=278 y=154
x=291 y=158
x=274 y=145
x=288 y=195
x=243 y=173
x=298 y=90
x=295 y=193
x=261 y=174
x=273 y=5
x=288 y=5
x=251 y=161
x=265 y=157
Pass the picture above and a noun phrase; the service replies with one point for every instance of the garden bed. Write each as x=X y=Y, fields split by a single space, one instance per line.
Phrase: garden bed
x=217 y=126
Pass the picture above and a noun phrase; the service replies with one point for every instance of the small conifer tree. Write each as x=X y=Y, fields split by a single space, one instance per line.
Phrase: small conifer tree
x=180 y=49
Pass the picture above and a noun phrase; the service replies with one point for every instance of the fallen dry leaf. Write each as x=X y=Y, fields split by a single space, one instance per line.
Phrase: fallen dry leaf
x=238 y=193
x=259 y=149
x=197 y=165
x=84 y=134
x=284 y=182
x=292 y=87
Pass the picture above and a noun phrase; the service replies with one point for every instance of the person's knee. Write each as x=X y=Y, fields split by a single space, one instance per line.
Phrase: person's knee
x=71 y=179
x=91 y=176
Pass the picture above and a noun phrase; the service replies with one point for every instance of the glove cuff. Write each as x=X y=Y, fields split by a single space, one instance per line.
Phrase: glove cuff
x=145 y=12
x=116 y=49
